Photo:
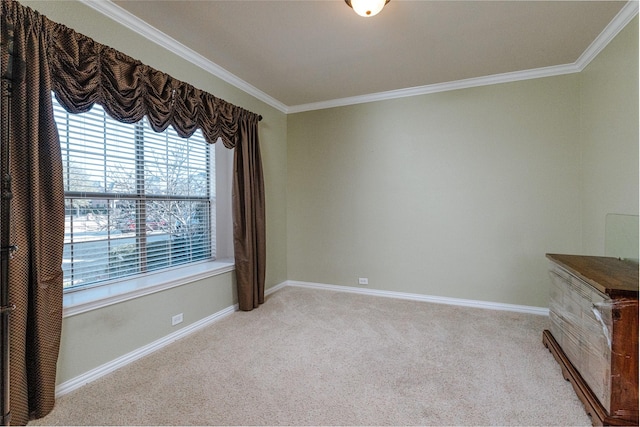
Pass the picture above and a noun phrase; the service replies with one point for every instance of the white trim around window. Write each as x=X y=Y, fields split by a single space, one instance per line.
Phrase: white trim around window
x=92 y=298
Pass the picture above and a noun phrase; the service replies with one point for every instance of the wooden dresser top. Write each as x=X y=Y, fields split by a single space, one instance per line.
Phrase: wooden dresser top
x=611 y=276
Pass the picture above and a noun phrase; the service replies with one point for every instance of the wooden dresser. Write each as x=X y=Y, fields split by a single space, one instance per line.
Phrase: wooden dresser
x=594 y=333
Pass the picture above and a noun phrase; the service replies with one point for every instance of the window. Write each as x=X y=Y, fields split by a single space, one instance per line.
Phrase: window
x=136 y=201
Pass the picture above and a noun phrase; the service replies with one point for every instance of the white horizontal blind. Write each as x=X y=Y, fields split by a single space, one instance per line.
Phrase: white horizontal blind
x=136 y=201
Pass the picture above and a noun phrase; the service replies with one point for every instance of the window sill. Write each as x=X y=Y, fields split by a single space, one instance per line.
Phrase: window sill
x=83 y=300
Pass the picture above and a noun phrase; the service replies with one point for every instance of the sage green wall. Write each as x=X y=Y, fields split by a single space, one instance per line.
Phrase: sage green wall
x=609 y=137
x=457 y=194
x=94 y=338
x=99 y=336
x=461 y=194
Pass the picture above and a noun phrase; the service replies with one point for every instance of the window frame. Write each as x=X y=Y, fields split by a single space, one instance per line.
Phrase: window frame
x=96 y=295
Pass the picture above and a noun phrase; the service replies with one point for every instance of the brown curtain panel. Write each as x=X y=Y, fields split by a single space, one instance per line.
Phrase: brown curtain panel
x=37 y=218
x=249 y=217
x=82 y=72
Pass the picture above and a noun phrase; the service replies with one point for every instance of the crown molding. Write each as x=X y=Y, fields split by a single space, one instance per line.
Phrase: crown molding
x=626 y=14
x=440 y=87
x=118 y=14
x=115 y=12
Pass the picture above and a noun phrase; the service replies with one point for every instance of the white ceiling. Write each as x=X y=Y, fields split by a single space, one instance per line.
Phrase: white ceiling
x=308 y=54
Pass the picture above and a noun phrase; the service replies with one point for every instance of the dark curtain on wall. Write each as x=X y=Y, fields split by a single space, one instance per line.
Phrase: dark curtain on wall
x=82 y=72
x=249 y=217
x=37 y=218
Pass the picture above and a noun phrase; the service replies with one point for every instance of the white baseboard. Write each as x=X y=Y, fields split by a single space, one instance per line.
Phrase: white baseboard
x=100 y=371
x=275 y=288
x=425 y=298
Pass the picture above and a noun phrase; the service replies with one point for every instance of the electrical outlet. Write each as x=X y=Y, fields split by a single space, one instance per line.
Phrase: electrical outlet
x=363 y=281
x=176 y=319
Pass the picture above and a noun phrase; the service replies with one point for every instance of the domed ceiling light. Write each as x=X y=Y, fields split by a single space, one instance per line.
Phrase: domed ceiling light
x=367 y=8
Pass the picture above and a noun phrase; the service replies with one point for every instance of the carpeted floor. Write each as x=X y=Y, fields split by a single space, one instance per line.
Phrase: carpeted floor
x=317 y=357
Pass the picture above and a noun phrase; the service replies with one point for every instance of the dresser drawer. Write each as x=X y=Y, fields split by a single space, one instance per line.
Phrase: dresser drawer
x=581 y=324
x=593 y=308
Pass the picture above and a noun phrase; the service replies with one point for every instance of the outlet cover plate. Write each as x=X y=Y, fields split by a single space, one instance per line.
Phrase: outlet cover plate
x=176 y=319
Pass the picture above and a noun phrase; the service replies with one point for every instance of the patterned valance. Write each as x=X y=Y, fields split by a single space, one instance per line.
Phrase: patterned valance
x=85 y=72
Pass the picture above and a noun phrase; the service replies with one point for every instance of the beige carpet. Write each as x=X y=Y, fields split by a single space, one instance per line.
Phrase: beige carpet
x=317 y=357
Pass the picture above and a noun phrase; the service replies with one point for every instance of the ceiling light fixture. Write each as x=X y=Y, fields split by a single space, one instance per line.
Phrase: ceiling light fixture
x=367 y=8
